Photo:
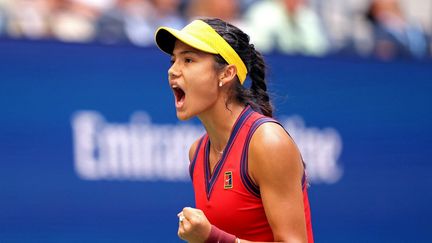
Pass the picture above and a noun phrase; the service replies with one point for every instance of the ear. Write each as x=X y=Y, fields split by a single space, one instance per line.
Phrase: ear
x=228 y=74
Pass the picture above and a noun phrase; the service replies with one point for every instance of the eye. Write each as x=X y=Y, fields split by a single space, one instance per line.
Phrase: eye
x=188 y=60
x=172 y=61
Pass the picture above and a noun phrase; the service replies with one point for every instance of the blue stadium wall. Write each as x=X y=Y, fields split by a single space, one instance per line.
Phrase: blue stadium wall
x=91 y=150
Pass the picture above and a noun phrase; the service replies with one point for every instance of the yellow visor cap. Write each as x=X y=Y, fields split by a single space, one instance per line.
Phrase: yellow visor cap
x=203 y=37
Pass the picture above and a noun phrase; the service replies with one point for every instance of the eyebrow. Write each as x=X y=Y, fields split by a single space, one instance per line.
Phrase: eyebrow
x=186 y=52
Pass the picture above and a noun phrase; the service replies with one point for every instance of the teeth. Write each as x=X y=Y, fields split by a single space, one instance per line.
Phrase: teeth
x=174 y=86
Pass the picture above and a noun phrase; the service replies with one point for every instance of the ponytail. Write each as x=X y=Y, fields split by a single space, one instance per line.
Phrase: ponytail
x=258 y=87
x=256 y=96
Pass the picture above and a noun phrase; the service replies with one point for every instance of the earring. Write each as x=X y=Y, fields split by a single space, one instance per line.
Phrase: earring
x=220 y=84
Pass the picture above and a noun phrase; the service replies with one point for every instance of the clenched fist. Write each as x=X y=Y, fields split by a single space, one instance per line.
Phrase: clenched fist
x=194 y=227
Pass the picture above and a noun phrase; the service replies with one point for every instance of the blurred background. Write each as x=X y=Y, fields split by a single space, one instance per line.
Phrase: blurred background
x=91 y=150
x=386 y=29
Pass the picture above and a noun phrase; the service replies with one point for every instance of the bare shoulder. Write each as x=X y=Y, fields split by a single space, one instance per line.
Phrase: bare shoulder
x=272 y=152
x=270 y=138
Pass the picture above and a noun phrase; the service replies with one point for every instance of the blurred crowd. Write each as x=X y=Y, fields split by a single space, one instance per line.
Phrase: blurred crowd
x=385 y=29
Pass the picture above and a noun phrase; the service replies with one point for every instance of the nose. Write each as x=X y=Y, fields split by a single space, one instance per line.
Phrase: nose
x=173 y=71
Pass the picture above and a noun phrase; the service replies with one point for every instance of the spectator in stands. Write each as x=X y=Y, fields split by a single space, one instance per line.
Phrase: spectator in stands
x=227 y=10
x=30 y=18
x=346 y=29
x=75 y=20
x=137 y=20
x=2 y=19
x=166 y=13
x=126 y=21
x=289 y=26
x=395 y=35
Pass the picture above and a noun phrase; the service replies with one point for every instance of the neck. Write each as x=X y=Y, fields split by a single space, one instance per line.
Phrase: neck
x=219 y=122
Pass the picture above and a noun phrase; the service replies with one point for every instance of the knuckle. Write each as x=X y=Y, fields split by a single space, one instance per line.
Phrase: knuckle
x=198 y=219
x=193 y=221
x=187 y=227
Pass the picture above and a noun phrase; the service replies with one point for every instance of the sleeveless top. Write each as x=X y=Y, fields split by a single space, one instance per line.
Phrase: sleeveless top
x=229 y=198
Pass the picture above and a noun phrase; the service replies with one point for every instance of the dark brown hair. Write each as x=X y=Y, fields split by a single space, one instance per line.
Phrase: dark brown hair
x=256 y=96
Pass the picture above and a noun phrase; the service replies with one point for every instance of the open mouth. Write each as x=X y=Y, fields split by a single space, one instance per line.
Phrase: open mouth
x=179 y=95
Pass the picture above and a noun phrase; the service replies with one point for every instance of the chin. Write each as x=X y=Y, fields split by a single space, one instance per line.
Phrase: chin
x=183 y=116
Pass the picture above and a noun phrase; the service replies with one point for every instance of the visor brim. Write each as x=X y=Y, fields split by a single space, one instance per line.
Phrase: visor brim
x=166 y=37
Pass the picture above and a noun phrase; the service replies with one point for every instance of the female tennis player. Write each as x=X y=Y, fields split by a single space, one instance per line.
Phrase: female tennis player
x=247 y=172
